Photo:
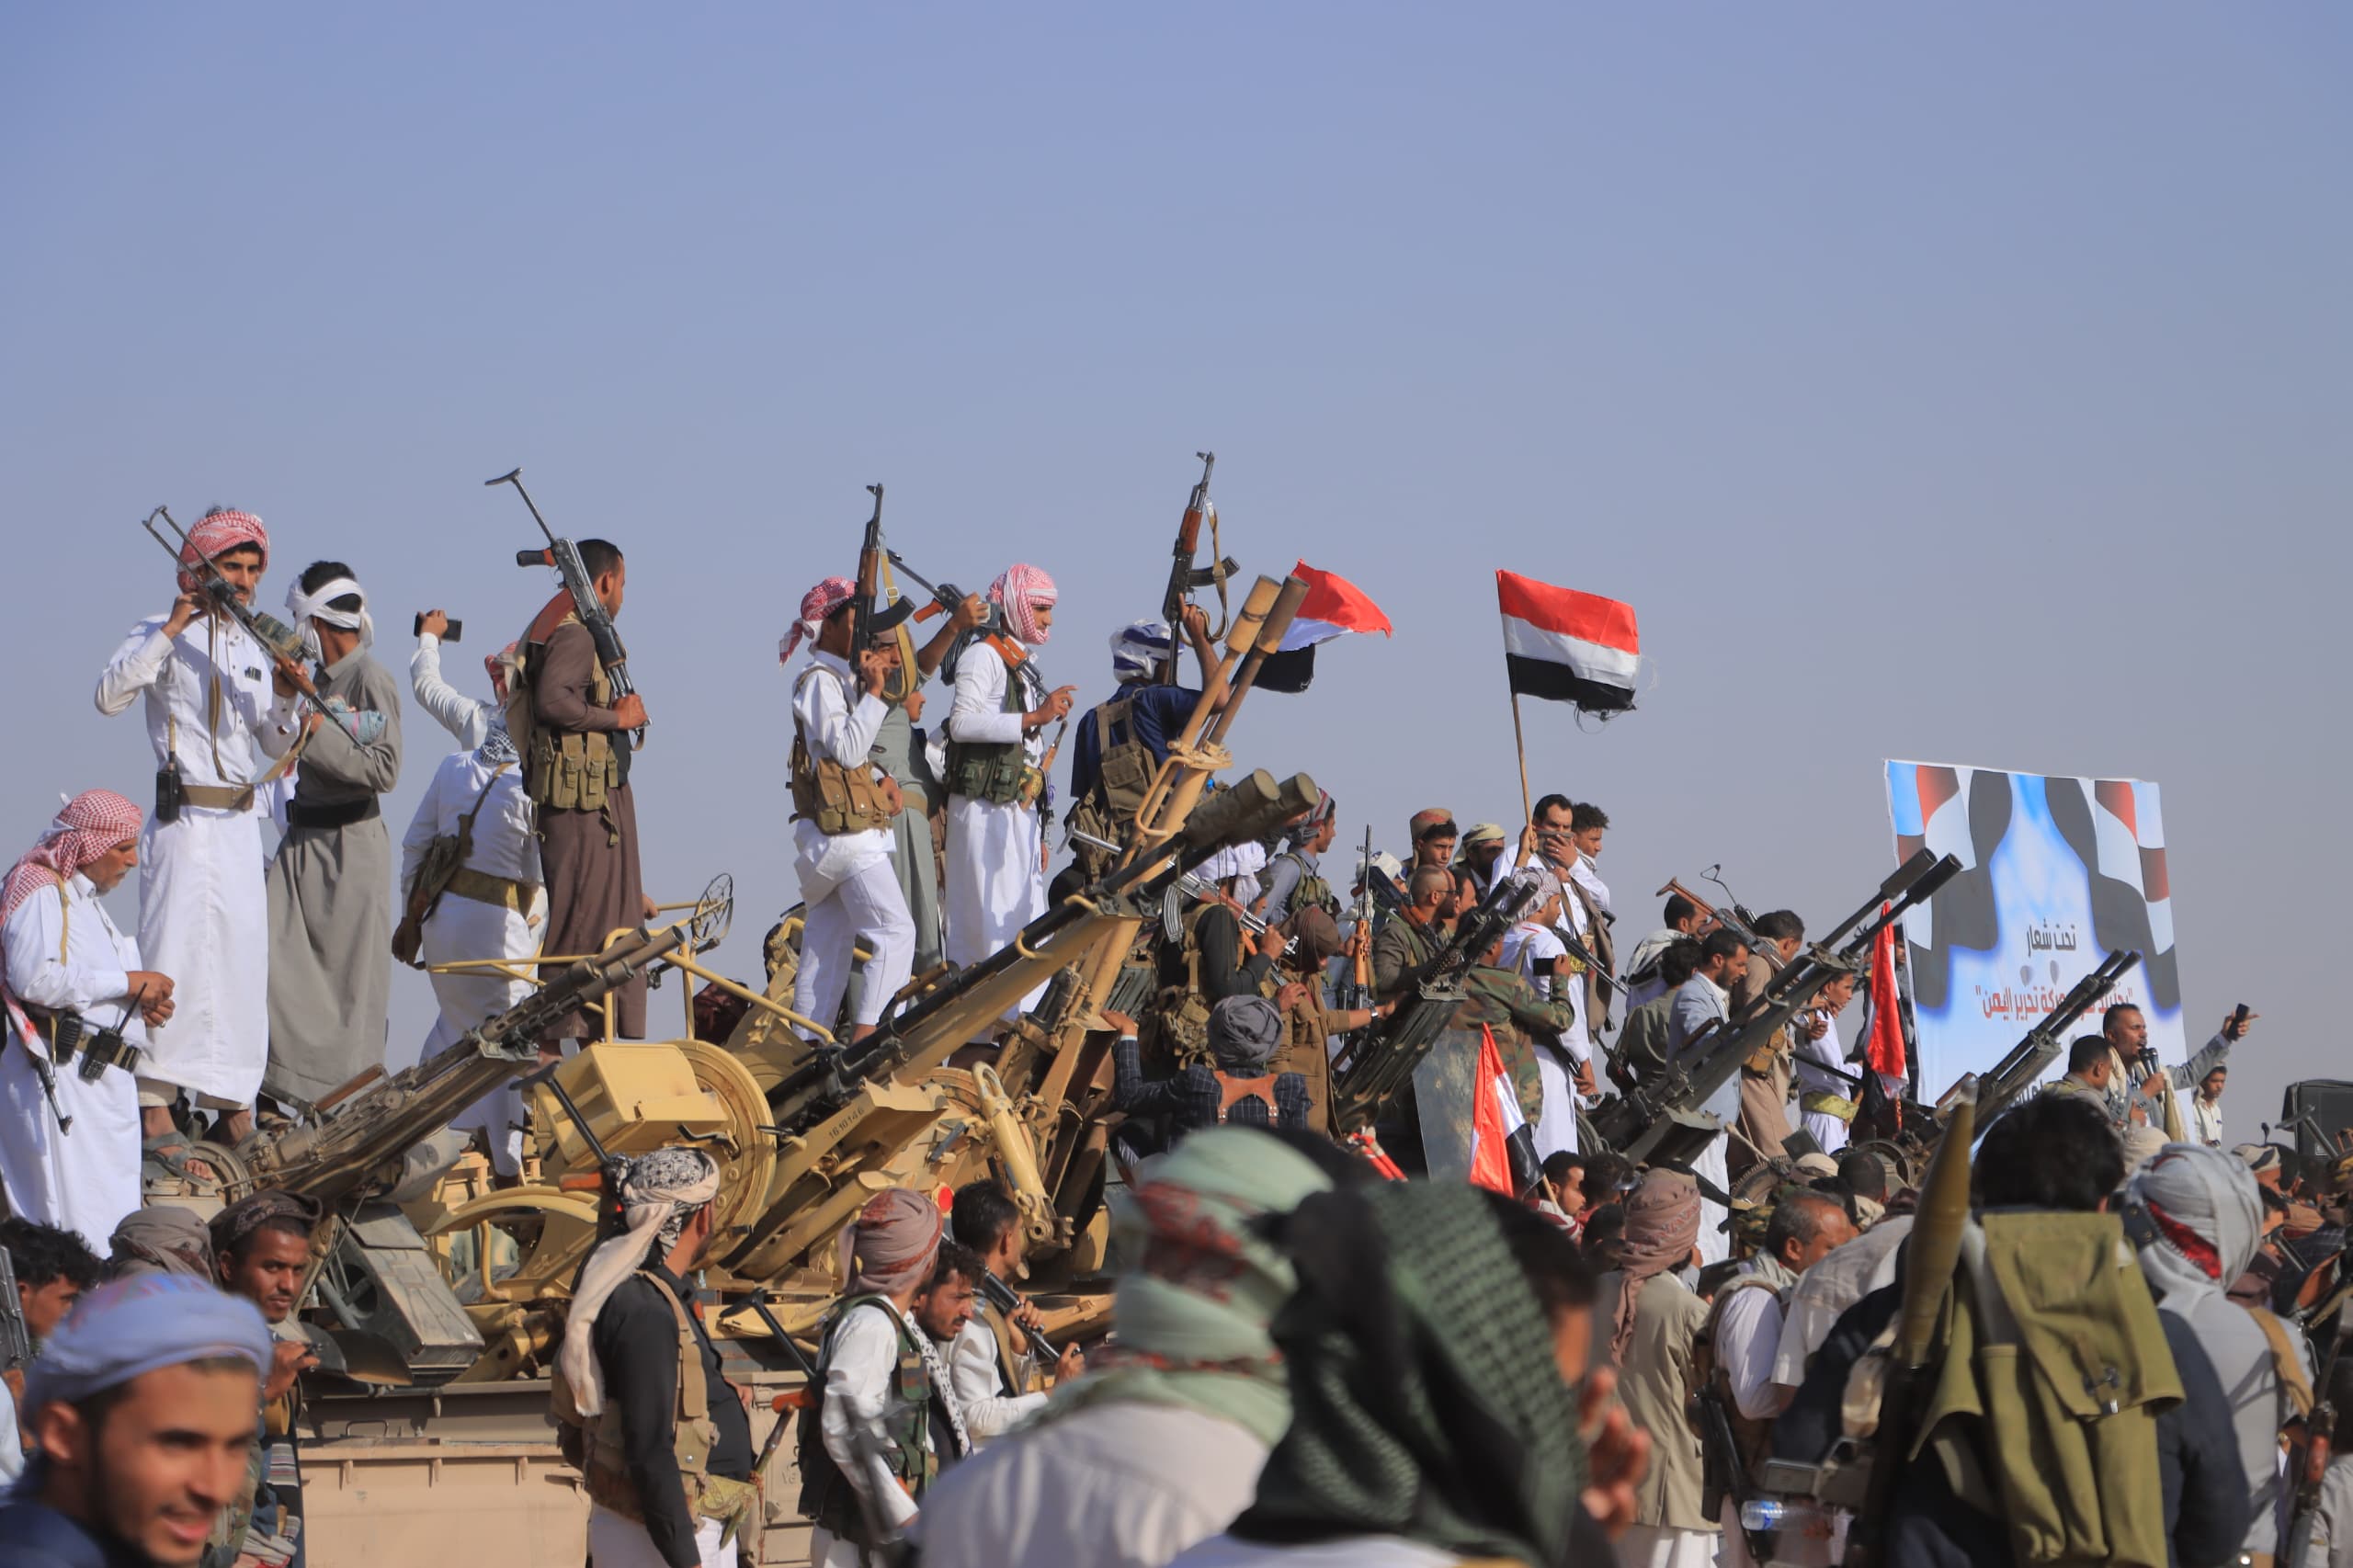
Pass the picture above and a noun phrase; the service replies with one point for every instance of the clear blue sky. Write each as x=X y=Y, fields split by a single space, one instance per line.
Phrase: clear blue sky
x=1957 y=385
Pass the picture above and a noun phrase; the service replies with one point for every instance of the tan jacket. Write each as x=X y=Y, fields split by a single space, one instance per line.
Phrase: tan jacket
x=1655 y=1383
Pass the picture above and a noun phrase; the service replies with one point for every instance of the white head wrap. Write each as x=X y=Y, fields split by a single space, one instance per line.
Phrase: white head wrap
x=2205 y=1221
x=661 y=1191
x=1138 y=651
x=305 y=608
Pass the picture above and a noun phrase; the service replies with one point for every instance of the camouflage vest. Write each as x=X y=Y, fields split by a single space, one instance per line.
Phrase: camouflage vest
x=1124 y=776
x=1183 y=1014
x=1313 y=891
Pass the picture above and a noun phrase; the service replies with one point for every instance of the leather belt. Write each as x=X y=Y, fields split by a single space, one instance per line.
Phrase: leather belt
x=483 y=888
x=219 y=797
x=299 y=815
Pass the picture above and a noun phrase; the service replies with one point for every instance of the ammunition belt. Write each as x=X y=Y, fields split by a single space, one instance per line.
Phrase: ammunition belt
x=482 y=888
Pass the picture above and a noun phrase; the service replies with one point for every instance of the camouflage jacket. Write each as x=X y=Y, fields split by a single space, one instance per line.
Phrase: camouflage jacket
x=1504 y=1001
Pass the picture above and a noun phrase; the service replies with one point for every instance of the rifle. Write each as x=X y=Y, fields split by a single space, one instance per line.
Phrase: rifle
x=2320 y=1442
x=283 y=642
x=1002 y=1297
x=1659 y=1121
x=564 y=556
x=1374 y=1065
x=945 y=596
x=868 y=625
x=1358 y=992
x=1183 y=575
x=15 y=1340
x=1189 y=886
x=2017 y=1072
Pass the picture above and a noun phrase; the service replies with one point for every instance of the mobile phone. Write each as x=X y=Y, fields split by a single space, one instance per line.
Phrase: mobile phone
x=2238 y=1022
x=452 y=635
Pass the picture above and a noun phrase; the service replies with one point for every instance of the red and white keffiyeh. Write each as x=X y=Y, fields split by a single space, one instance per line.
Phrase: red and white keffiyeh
x=92 y=823
x=816 y=606
x=221 y=530
x=1021 y=591
x=498 y=663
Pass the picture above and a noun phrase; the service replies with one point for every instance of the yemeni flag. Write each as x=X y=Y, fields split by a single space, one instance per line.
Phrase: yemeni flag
x=1503 y=1150
x=1884 y=1050
x=1333 y=606
x=1565 y=646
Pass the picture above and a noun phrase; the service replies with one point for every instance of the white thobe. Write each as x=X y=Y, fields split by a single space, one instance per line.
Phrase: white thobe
x=1588 y=877
x=203 y=905
x=1647 y=949
x=997 y=883
x=86 y=1179
x=2205 y=1121
x=467 y=717
x=848 y=887
x=972 y=1372
x=462 y=929
x=1531 y=948
x=1812 y=1056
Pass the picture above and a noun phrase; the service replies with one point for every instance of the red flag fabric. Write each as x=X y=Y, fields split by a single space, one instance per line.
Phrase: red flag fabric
x=1884 y=1051
x=1490 y=1131
x=1566 y=646
x=1333 y=605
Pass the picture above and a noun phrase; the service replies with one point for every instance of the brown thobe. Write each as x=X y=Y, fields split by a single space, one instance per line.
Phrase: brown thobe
x=589 y=858
x=1764 y=1096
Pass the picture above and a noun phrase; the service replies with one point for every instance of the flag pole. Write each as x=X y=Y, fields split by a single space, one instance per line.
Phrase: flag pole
x=1520 y=742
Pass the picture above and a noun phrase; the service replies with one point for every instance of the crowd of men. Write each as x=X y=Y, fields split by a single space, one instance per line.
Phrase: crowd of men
x=1320 y=1354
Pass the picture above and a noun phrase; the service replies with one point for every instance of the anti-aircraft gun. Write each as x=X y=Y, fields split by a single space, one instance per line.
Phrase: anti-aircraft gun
x=2032 y=1056
x=395 y=1319
x=1660 y=1121
x=1373 y=1066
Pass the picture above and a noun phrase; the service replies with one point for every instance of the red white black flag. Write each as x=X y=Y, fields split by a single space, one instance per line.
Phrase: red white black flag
x=1565 y=646
x=1503 y=1146
x=1333 y=606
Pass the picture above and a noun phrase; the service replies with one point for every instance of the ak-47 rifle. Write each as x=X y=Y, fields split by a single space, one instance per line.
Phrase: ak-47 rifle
x=2320 y=1444
x=15 y=1340
x=283 y=642
x=1374 y=1065
x=1183 y=575
x=1357 y=991
x=564 y=556
x=1660 y=1122
x=869 y=626
x=2017 y=1072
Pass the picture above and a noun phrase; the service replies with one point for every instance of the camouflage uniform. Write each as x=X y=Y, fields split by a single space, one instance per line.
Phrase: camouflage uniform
x=1399 y=948
x=1504 y=1001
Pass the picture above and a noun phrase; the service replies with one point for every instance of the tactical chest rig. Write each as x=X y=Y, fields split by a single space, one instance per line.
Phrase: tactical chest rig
x=603 y=1456
x=997 y=771
x=1183 y=1015
x=564 y=770
x=828 y=1499
x=839 y=799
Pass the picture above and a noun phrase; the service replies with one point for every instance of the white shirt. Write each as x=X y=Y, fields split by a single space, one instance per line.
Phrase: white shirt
x=1748 y=1335
x=504 y=843
x=1813 y=1055
x=94 y=978
x=1118 y=1484
x=1824 y=1291
x=211 y=666
x=2206 y=1122
x=1530 y=949
x=861 y=1377
x=978 y=715
x=1588 y=877
x=843 y=732
x=467 y=717
x=972 y=1372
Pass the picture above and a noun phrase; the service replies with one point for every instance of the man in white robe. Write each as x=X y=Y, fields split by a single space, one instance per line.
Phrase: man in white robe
x=1533 y=948
x=1703 y=998
x=467 y=717
x=216 y=710
x=66 y=963
x=848 y=889
x=1826 y=1097
x=997 y=746
x=494 y=907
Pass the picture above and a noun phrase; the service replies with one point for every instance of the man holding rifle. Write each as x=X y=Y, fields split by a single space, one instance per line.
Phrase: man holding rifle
x=222 y=723
x=842 y=812
x=575 y=746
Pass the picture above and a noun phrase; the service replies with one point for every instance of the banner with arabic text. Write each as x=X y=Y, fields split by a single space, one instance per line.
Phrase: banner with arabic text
x=2055 y=872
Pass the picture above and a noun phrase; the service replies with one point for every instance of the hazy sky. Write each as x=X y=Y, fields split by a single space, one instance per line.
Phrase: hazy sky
x=1952 y=385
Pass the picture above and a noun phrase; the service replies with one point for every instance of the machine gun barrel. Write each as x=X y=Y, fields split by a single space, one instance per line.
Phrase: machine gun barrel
x=1003 y=1297
x=1639 y=1122
x=356 y=1146
x=2017 y=1072
x=1375 y=1064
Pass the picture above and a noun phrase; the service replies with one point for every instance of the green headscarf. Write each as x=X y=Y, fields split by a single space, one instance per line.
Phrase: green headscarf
x=1425 y=1398
x=1192 y=1310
